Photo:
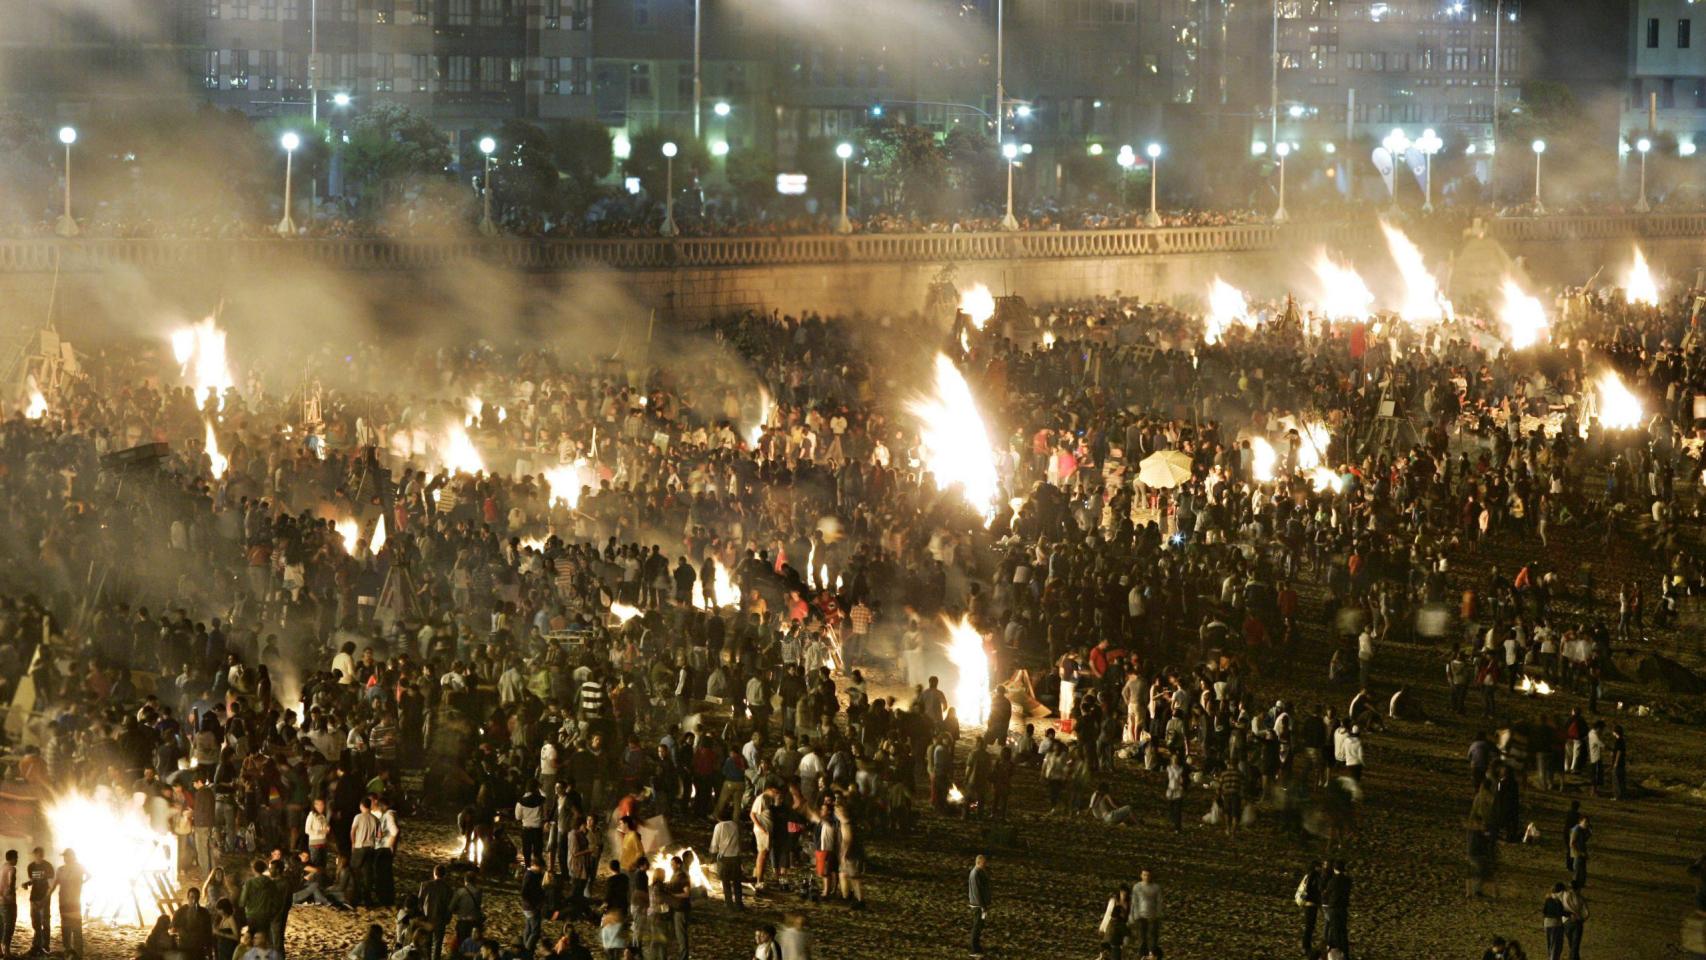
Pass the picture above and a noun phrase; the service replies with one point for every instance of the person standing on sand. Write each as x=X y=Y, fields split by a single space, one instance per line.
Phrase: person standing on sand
x=1308 y=897
x=978 y=898
x=1337 y=904
x=1146 y=914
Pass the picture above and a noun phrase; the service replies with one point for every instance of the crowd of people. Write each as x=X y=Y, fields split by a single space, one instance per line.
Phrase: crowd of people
x=297 y=635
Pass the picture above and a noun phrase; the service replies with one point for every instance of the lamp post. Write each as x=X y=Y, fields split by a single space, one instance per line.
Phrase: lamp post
x=1011 y=153
x=842 y=224
x=1539 y=147
x=1273 y=79
x=1642 y=146
x=290 y=141
x=1281 y=150
x=1126 y=159
x=67 y=226
x=487 y=145
x=668 y=229
x=698 y=85
x=1429 y=144
x=1001 y=82
x=1153 y=219
x=1396 y=143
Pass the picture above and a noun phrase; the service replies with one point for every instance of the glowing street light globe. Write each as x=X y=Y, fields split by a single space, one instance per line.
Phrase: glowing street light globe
x=290 y=141
x=487 y=145
x=1282 y=150
x=68 y=135
x=721 y=109
x=1010 y=151
x=844 y=151
x=340 y=99
x=1154 y=150
x=669 y=149
x=1643 y=144
x=720 y=148
x=1396 y=142
x=1430 y=143
x=1539 y=146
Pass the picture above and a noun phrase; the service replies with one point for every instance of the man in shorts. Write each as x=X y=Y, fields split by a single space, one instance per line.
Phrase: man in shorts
x=762 y=824
x=828 y=857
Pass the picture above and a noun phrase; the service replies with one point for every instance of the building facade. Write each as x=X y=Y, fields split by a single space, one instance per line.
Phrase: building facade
x=1353 y=70
x=1079 y=75
x=1667 y=73
x=467 y=64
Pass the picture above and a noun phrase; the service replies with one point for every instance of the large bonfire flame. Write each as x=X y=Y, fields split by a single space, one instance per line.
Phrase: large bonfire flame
x=1344 y=295
x=131 y=868
x=978 y=304
x=1619 y=409
x=456 y=451
x=1638 y=284
x=566 y=482
x=217 y=462
x=1226 y=306
x=955 y=441
x=723 y=592
x=971 y=690
x=697 y=878
x=765 y=406
x=200 y=352
x=1422 y=300
x=37 y=407
x=349 y=531
x=1523 y=316
x=1265 y=458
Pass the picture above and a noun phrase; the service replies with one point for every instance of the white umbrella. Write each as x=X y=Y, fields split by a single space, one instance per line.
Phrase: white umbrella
x=1164 y=468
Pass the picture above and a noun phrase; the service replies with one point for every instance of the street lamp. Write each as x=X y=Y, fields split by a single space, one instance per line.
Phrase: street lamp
x=487 y=145
x=290 y=141
x=1429 y=144
x=67 y=226
x=669 y=229
x=1396 y=144
x=340 y=99
x=1153 y=220
x=1011 y=152
x=1642 y=146
x=1539 y=147
x=721 y=108
x=1281 y=150
x=842 y=224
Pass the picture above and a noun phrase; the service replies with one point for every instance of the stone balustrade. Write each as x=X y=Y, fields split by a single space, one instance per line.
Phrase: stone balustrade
x=149 y=255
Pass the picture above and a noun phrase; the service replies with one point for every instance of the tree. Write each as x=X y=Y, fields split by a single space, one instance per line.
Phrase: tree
x=583 y=152
x=1090 y=179
x=752 y=175
x=907 y=162
x=1548 y=110
x=524 y=170
x=816 y=159
x=973 y=166
x=391 y=146
x=646 y=160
